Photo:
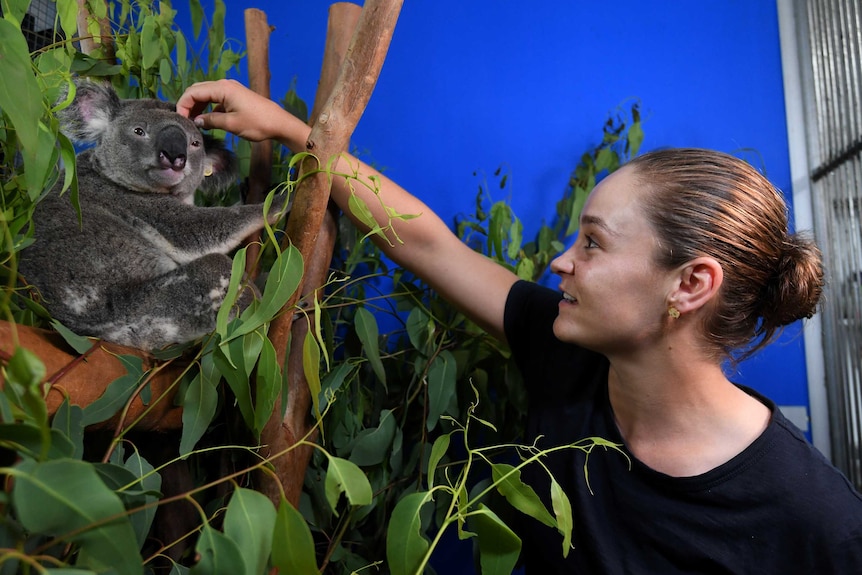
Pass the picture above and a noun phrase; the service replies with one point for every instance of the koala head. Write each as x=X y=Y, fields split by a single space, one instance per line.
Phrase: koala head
x=144 y=145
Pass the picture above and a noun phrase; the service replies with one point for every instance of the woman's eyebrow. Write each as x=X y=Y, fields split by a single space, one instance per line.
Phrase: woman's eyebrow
x=597 y=222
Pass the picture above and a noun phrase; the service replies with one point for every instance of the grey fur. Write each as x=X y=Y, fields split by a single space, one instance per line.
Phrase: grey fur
x=146 y=268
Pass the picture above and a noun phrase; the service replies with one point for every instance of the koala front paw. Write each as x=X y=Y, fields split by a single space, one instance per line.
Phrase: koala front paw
x=281 y=204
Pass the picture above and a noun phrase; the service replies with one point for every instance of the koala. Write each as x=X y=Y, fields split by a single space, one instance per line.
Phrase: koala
x=144 y=267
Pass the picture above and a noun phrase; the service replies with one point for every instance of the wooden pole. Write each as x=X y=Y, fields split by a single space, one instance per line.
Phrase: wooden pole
x=257 y=32
x=84 y=380
x=91 y=43
x=349 y=73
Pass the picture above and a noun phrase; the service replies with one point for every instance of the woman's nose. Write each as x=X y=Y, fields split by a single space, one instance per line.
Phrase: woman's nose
x=563 y=263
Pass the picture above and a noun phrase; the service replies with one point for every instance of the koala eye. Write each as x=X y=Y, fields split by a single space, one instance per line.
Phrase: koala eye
x=196 y=144
x=139 y=131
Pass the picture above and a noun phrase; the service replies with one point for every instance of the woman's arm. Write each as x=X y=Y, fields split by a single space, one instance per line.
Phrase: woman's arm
x=469 y=280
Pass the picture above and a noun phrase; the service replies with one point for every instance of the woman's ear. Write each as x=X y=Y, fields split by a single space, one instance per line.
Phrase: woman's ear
x=698 y=282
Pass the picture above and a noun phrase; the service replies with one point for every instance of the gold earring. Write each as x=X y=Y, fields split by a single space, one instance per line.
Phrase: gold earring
x=673 y=312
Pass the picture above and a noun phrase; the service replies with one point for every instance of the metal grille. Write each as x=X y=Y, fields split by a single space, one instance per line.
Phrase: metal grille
x=835 y=37
x=38 y=24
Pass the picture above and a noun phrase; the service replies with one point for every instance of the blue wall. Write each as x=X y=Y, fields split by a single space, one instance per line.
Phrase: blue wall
x=470 y=85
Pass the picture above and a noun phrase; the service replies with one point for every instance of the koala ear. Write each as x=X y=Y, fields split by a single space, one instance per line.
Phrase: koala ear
x=220 y=168
x=90 y=114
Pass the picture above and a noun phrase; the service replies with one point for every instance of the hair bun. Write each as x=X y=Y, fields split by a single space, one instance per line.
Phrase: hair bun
x=793 y=291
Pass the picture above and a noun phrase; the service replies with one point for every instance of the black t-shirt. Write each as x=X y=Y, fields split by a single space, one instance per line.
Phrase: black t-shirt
x=779 y=507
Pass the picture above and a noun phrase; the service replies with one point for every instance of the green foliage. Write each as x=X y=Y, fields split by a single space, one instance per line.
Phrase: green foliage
x=419 y=410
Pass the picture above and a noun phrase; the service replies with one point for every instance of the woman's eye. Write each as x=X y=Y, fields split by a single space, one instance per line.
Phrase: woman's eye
x=590 y=243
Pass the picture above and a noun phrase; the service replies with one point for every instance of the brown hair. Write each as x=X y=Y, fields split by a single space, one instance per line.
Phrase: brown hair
x=707 y=203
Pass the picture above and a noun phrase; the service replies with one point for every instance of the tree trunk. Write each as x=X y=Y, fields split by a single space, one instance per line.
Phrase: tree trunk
x=348 y=76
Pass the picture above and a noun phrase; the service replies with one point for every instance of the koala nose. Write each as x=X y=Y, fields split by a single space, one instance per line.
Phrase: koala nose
x=171 y=144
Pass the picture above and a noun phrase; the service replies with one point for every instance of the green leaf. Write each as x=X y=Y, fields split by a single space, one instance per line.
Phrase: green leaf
x=635 y=138
x=219 y=555
x=332 y=382
x=150 y=48
x=249 y=522
x=366 y=329
x=345 y=477
x=499 y=224
x=20 y=96
x=293 y=546
x=235 y=362
x=499 y=547
x=117 y=393
x=441 y=386
x=149 y=484
x=526 y=269
x=516 y=237
x=607 y=159
x=563 y=513
x=199 y=408
x=520 y=495
x=360 y=210
x=406 y=547
x=197 y=13
x=371 y=446
x=282 y=281
x=29 y=440
x=79 y=343
x=61 y=496
x=419 y=328
x=224 y=312
x=69 y=420
x=579 y=198
x=311 y=369
x=438 y=450
x=40 y=161
x=268 y=386
x=67 y=10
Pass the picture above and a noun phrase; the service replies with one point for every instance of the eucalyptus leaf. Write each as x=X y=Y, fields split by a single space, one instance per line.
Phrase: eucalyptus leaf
x=438 y=450
x=79 y=343
x=66 y=496
x=199 y=407
x=20 y=96
x=293 y=545
x=249 y=522
x=268 y=386
x=236 y=373
x=520 y=495
x=372 y=445
x=69 y=420
x=148 y=484
x=30 y=441
x=311 y=369
x=499 y=547
x=117 y=393
x=219 y=555
x=441 y=387
x=368 y=332
x=419 y=328
x=345 y=477
x=282 y=281
x=563 y=513
x=406 y=546
x=224 y=313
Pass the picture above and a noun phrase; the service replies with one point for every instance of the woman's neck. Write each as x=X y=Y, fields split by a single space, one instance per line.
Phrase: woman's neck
x=682 y=418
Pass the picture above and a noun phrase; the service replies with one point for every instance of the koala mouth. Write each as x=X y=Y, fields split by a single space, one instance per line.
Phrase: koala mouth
x=167 y=177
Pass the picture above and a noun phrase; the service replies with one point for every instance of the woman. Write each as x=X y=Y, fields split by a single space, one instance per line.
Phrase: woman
x=683 y=260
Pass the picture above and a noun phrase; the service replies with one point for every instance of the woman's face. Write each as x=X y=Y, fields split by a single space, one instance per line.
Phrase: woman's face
x=615 y=296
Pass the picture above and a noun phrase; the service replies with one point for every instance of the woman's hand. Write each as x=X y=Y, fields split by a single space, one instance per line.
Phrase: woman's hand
x=242 y=112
